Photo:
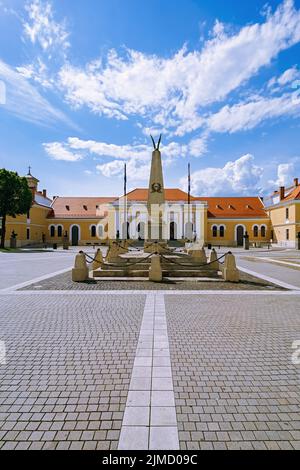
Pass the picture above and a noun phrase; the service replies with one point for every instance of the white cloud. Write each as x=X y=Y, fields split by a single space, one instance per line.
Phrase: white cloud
x=173 y=92
x=38 y=72
x=247 y=115
x=137 y=156
x=286 y=172
x=41 y=27
x=58 y=151
x=25 y=102
x=239 y=177
x=288 y=76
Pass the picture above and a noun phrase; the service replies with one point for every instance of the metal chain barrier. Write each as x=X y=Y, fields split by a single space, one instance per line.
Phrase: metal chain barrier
x=191 y=265
x=127 y=264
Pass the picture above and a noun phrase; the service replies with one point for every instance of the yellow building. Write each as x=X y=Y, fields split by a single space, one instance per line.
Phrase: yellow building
x=283 y=209
x=219 y=221
x=30 y=228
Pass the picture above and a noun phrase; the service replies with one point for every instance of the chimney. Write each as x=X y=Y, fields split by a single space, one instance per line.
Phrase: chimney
x=282 y=192
x=296 y=182
x=45 y=192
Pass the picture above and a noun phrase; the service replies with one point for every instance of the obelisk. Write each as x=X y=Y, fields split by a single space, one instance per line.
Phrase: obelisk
x=156 y=195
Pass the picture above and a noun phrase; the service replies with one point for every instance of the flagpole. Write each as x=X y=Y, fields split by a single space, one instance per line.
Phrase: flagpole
x=189 y=189
x=125 y=201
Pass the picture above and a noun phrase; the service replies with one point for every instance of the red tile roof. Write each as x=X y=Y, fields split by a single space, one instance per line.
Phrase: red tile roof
x=172 y=194
x=234 y=207
x=293 y=194
x=82 y=207
x=218 y=207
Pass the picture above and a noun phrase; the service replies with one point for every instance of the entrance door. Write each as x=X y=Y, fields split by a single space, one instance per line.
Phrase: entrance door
x=75 y=235
x=173 y=231
x=141 y=231
x=240 y=235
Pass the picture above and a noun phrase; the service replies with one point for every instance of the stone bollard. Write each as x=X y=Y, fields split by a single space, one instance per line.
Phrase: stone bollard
x=80 y=272
x=229 y=270
x=213 y=259
x=199 y=256
x=155 y=271
x=98 y=259
x=113 y=253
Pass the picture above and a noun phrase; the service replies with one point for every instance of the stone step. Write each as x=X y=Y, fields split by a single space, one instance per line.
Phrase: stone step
x=145 y=273
x=120 y=273
x=165 y=266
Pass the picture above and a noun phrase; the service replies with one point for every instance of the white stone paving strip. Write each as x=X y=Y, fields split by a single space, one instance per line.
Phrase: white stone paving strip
x=149 y=421
x=35 y=280
x=143 y=292
x=268 y=278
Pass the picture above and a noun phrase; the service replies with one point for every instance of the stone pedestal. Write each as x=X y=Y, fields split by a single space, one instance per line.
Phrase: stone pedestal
x=66 y=243
x=229 y=270
x=214 y=264
x=114 y=253
x=98 y=259
x=13 y=242
x=155 y=247
x=246 y=241
x=80 y=272
x=198 y=255
x=155 y=271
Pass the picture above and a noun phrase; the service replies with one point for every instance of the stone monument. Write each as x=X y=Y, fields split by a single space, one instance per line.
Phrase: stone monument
x=156 y=196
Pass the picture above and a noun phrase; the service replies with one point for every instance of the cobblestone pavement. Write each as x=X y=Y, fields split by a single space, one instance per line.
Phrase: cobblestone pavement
x=64 y=282
x=68 y=369
x=71 y=360
x=234 y=382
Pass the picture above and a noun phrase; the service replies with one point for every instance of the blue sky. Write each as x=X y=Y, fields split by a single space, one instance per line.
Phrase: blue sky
x=84 y=83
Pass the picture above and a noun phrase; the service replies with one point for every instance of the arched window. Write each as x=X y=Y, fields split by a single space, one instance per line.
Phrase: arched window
x=255 y=231
x=215 y=231
x=52 y=231
x=263 y=231
x=93 y=231
x=222 y=231
x=59 y=231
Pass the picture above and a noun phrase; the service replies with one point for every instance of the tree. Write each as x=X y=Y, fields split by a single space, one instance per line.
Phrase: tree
x=15 y=197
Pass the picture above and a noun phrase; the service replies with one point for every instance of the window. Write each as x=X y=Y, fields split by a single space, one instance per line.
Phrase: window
x=287 y=213
x=263 y=231
x=215 y=231
x=52 y=231
x=59 y=231
x=287 y=234
x=93 y=230
x=222 y=231
x=100 y=231
x=255 y=231
x=28 y=234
